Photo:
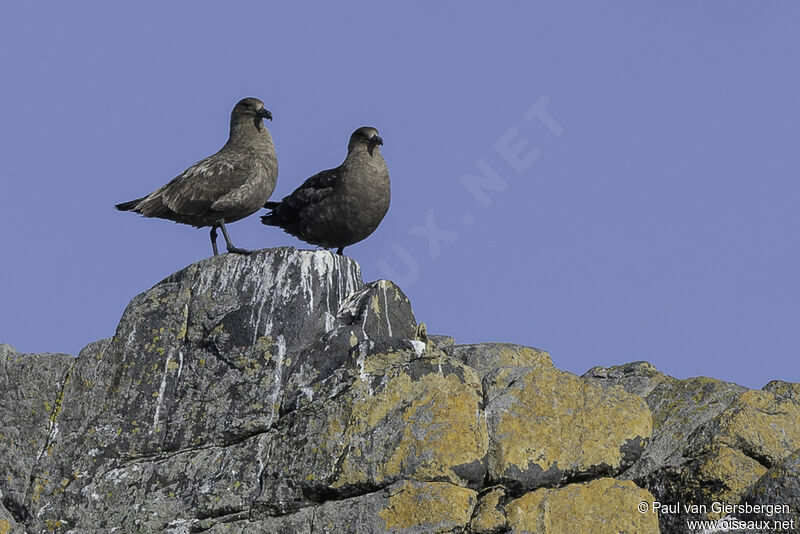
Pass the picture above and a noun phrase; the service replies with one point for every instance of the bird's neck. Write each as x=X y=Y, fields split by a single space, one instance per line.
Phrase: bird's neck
x=363 y=150
x=246 y=130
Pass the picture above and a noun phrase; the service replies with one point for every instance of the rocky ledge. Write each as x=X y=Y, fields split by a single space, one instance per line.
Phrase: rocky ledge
x=278 y=392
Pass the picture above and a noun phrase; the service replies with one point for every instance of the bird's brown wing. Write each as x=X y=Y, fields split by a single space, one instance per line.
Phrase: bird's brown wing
x=314 y=189
x=311 y=192
x=198 y=187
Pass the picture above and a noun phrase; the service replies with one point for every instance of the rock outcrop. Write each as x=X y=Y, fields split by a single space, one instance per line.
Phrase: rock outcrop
x=278 y=392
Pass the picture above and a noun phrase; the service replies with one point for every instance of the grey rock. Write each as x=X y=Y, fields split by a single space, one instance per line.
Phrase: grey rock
x=486 y=357
x=31 y=386
x=277 y=392
x=778 y=486
x=8 y=524
x=784 y=390
x=639 y=378
x=678 y=407
x=146 y=494
x=224 y=187
x=390 y=418
x=406 y=507
x=710 y=443
x=541 y=433
x=742 y=426
x=376 y=318
x=198 y=361
x=338 y=207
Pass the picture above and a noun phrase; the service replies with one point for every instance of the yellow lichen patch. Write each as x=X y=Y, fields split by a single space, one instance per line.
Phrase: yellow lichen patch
x=5 y=526
x=521 y=357
x=186 y=295
x=218 y=329
x=264 y=345
x=723 y=475
x=603 y=505
x=38 y=489
x=375 y=305
x=173 y=365
x=388 y=284
x=183 y=330
x=489 y=515
x=547 y=416
x=335 y=427
x=60 y=398
x=353 y=339
x=765 y=424
x=378 y=362
x=435 y=506
x=438 y=418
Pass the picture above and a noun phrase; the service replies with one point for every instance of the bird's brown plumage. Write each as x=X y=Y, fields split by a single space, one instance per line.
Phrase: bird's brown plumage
x=342 y=206
x=224 y=187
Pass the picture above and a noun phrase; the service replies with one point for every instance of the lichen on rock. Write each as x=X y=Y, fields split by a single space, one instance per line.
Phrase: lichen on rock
x=602 y=505
x=548 y=427
x=278 y=392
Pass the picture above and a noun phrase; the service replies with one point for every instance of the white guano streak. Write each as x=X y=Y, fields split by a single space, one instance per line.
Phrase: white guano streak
x=383 y=283
x=305 y=279
x=281 y=342
x=161 y=389
x=261 y=289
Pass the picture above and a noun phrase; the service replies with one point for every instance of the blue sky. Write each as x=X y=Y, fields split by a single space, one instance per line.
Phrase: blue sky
x=636 y=164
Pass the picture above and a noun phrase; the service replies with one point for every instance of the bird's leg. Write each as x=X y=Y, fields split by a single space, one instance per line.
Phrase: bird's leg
x=214 y=240
x=340 y=251
x=230 y=246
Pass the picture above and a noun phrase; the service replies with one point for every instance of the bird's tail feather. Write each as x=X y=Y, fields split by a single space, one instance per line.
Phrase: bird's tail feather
x=271 y=218
x=130 y=205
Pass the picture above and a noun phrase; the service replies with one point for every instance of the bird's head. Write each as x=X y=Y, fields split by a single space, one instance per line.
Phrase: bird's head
x=250 y=109
x=365 y=136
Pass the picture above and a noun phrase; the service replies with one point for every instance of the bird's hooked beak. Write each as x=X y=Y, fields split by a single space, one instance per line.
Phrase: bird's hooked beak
x=376 y=140
x=264 y=113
